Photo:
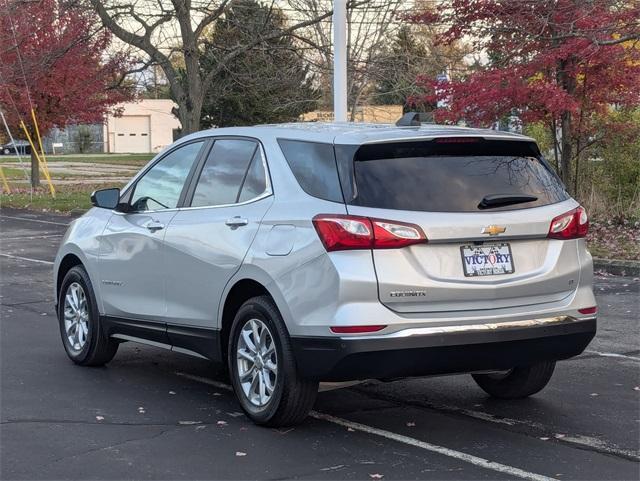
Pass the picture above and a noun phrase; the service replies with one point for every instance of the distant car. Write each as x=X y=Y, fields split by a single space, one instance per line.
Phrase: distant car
x=21 y=147
x=301 y=253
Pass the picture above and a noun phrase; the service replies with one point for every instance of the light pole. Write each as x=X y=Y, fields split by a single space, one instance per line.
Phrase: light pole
x=340 y=60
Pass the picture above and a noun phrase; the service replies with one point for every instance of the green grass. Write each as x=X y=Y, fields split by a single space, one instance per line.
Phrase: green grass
x=69 y=198
x=122 y=159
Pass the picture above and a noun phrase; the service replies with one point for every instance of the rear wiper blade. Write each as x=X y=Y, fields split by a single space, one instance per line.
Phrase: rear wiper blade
x=499 y=200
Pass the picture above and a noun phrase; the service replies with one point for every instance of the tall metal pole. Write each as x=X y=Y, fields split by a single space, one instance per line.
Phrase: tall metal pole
x=340 y=60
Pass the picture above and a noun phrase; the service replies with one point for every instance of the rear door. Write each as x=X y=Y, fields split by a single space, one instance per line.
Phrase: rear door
x=207 y=241
x=485 y=207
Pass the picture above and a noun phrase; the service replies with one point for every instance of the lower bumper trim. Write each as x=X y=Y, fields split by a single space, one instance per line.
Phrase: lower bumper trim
x=453 y=351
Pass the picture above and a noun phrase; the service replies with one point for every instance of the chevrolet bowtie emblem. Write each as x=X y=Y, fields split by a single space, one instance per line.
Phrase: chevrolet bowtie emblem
x=493 y=229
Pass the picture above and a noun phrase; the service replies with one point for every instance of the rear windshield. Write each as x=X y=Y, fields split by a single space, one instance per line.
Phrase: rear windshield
x=449 y=176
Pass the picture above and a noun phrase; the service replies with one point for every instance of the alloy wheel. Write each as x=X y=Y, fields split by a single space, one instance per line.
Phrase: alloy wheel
x=257 y=362
x=76 y=317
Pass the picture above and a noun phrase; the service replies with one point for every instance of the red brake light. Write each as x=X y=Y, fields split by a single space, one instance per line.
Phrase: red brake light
x=355 y=329
x=571 y=225
x=588 y=310
x=347 y=232
x=457 y=140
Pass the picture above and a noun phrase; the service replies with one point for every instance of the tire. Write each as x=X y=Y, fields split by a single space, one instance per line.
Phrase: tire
x=519 y=382
x=292 y=397
x=97 y=349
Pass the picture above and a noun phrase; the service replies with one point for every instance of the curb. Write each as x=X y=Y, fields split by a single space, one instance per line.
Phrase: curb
x=617 y=267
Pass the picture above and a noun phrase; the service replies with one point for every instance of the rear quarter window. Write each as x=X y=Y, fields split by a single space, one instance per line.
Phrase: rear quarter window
x=439 y=177
x=314 y=166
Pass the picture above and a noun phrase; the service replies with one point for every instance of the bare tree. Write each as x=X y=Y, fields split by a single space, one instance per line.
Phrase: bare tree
x=370 y=25
x=163 y=28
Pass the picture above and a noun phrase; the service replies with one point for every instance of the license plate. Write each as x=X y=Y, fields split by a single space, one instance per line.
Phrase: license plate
x=487 y=260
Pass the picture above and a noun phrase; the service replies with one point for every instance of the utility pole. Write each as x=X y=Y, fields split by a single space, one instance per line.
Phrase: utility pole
x=340 y=60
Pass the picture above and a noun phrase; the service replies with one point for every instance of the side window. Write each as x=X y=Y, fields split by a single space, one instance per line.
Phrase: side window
x=224 y=172
x=314 y=166
x=161 y=186
x=255 y=183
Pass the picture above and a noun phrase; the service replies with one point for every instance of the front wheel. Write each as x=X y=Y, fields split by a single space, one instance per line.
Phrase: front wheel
x=83 y=339
x=518 y=382
x=263 y=369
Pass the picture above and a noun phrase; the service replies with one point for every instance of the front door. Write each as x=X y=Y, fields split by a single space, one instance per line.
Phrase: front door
x=132 y=257
x=207 y=241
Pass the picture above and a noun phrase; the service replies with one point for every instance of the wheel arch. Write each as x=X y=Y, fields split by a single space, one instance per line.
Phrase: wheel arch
x=240 y=289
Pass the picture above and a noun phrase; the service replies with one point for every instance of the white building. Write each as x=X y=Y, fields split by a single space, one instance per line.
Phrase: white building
x=144 y=126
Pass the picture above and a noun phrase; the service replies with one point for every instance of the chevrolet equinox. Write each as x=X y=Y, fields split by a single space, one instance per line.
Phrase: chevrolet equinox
x=301 y=253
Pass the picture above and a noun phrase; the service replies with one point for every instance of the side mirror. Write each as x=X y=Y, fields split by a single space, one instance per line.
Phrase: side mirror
x=106 y=198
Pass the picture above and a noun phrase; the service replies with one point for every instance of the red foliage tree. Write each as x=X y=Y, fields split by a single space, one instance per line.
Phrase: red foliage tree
x=52 y=58
x=564 y=62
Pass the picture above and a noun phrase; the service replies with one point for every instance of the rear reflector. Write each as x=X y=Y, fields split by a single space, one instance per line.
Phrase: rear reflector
x=346 y=232
x=356 y=329
x=571 y=225
x=588 y=310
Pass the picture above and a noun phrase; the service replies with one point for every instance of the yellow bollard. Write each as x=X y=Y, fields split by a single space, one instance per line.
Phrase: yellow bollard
x=5 y=184
x=40 y=163
x=35 y=124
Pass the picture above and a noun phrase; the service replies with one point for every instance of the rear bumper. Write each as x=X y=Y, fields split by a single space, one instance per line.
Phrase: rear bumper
x=442 y=350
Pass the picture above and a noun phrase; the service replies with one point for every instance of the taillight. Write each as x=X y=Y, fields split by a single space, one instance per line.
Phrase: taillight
x=572 y=225
x=345 y=232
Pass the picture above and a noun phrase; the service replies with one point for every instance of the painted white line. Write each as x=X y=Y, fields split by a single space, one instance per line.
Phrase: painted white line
x=32 y=220
x=27 y=259
x=31 y=237
x=613 y=354
x=468 y=458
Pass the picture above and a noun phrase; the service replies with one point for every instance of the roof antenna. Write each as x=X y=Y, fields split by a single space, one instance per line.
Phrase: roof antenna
x=414 y=119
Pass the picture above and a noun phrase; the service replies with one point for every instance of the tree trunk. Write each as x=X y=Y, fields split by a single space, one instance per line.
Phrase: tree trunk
x=35 y=170
x=189 y=118
x=565 y=157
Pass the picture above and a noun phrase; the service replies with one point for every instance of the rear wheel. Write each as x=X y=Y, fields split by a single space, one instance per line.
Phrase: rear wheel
x=79 y=320
x=518 y=382
x=263 y=369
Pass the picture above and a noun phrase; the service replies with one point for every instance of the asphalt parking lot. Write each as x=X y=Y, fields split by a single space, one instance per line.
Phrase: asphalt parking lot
x=152 y=414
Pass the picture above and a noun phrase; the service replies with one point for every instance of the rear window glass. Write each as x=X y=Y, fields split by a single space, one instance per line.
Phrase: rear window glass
x=437 y=176
x=314 y=167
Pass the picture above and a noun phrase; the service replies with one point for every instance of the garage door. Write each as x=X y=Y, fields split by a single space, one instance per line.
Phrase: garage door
x=132 y=134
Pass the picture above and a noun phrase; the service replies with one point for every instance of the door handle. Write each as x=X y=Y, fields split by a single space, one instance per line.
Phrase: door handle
x=236 y=222
x=154 y=225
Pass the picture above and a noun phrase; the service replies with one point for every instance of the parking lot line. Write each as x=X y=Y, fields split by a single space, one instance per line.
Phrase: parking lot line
x=612 y=354
x=26 y=259
x=33 y=220
x=468 y=458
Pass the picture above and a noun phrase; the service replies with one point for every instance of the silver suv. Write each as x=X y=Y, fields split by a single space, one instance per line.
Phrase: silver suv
x=331 y=252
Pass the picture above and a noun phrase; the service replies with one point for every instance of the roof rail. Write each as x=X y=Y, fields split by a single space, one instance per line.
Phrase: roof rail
x=414 y=119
